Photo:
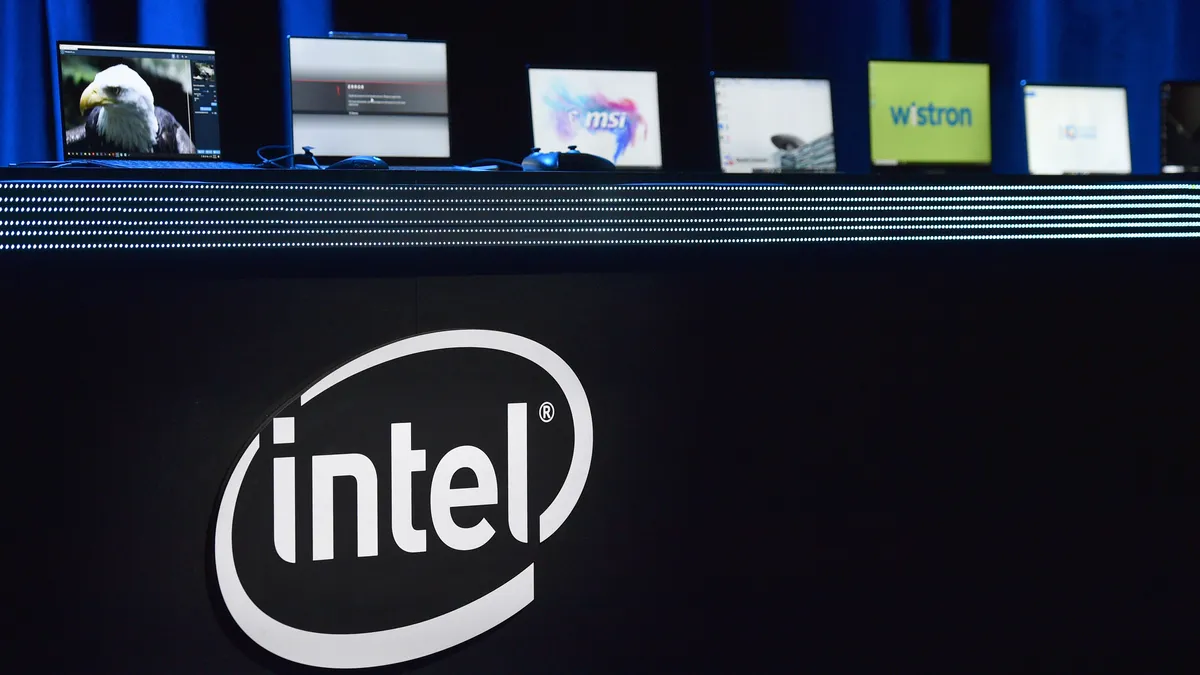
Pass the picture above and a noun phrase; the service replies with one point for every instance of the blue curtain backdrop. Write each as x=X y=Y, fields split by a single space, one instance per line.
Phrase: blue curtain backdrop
x=29 y=30
x=939 y=29
x=22 y=109
x=1132 y=43
x=172 y=22
x=1137 y=44
x=306 y=17
x=65 y=20
x=835 y=40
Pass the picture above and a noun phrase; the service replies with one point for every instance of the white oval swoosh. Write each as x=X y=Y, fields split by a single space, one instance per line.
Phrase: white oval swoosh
x=581 y=413
x=397 y=645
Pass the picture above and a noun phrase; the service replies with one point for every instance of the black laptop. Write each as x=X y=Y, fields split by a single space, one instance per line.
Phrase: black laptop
x=139 y=106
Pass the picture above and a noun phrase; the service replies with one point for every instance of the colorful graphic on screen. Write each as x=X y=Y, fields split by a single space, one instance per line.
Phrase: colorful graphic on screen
x=596 y=114
x=613 y=114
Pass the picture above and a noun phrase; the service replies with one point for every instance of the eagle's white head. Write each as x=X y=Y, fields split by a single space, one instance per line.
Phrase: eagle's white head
x=126 y=117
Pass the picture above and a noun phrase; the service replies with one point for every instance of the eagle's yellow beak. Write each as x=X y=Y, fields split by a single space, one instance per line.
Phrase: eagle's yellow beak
x=92 y=97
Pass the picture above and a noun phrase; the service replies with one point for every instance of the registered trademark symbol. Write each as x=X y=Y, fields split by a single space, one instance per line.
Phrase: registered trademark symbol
x=546 y=411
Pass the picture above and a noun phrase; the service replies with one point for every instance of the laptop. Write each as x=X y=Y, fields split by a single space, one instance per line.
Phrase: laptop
x=1076 y=130
x=138 y=107
x=355 y=94
x=609 y=113
x=774 y=124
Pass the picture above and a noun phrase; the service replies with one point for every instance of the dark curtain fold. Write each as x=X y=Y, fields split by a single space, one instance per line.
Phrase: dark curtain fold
x=940 y=29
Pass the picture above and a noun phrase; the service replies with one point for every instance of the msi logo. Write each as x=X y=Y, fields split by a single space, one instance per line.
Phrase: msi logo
x=598 y=120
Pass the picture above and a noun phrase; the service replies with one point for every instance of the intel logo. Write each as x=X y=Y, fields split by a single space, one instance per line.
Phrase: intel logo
x=384 y=514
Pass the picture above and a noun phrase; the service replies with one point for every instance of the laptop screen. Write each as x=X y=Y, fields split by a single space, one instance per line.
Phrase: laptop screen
x=138 y=102
x=774 y=125
x=388 y=98
x=1077 y=130
x=1180 y=132
x=929 y=114
x=610 y=113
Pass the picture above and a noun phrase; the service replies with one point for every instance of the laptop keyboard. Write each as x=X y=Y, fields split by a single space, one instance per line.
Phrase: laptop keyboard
x=165 y=164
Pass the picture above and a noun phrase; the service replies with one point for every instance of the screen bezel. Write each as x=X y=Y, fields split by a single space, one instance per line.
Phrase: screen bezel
x=1162 y=123
x=1025 y=126
x=657 y=94
x=61 y=151
x=413 y=160
x=940 y=166
x=716 y=118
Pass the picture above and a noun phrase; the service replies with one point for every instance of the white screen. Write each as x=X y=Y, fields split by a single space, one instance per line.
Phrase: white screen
x=753 y=114
x=370 y=97
x=613 y=114
x=1077 y=130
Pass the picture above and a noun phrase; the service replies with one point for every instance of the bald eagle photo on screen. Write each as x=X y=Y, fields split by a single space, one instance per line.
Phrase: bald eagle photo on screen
x=119 y=115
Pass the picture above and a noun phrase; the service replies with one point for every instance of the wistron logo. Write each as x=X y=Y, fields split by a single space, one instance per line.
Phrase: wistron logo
x=930 y=114
x=348 y=598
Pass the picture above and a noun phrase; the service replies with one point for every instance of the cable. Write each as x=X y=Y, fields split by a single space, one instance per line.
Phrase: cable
x=287 y=161
x=497 y=162
x=271 y=162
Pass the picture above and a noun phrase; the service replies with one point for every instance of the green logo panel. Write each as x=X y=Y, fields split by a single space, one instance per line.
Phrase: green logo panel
x=932 y=113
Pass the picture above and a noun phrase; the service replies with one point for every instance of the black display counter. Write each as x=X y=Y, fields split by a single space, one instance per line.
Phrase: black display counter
x=96 y=209
x=458 y=423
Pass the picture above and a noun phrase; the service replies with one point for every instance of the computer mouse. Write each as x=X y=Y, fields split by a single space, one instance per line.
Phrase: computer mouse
x=360 y=162
x=571 y=160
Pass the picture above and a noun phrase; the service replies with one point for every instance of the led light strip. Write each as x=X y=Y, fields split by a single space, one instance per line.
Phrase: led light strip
x=597 y=200
x=563 y=214
x=126 y=185
x=572 y=209
x=577 y=230
x=603 y=242
x=241 y=222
